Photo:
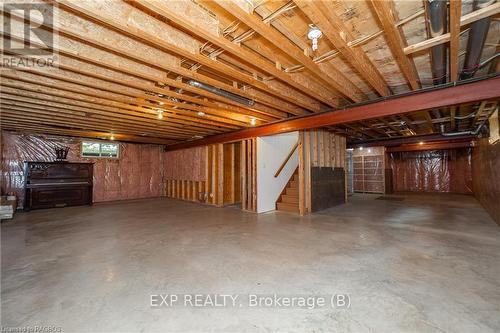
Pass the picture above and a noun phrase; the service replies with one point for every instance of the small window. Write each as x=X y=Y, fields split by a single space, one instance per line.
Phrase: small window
x=100 y=149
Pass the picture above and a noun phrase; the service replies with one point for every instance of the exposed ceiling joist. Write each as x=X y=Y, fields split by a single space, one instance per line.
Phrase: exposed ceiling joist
x=385 y=13
x=169 y=67
x=334 y=29
x=241 y=53
x=336 y=79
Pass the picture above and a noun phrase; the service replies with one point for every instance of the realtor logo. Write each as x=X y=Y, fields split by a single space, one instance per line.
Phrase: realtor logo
x=37 y=37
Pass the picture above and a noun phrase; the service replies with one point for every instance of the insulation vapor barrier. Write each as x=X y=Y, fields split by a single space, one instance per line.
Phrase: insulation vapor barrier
x=432 y=171
x=186 y=164
x=136 y=174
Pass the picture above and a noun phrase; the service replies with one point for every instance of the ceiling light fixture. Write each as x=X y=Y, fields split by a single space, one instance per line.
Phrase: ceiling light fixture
x=112 y=137
x=421 y=143
x=252 y=121
x=314 y=34
x=201 y=113
x=160 y=114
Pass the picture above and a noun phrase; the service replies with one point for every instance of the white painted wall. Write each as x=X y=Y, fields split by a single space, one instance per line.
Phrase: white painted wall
x=271 y=152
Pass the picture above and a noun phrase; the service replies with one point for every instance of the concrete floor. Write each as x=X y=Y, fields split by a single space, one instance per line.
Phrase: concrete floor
x=430 y=263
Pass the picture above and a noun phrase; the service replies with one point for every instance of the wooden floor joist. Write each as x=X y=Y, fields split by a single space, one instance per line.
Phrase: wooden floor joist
x=136 y=33
x=334 y=29
x=385 y=13
x=335 y=80
x=239 y=52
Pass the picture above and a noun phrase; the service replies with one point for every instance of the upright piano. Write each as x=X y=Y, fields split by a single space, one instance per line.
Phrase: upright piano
x=57 y=184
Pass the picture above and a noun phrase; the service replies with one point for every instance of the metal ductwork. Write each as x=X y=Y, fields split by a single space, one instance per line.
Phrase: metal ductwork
x=477 y=36
x=437 y=14
x=223 y=93
x=473 y=133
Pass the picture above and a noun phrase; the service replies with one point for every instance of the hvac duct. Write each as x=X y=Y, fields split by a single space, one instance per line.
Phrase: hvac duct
x=477 y=36
x=473 y=133
x=223 y=93
x=438 y=23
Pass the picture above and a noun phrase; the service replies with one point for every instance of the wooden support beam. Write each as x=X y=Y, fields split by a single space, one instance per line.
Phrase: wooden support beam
x=476 y=15
x=335 y=80
x=455 y=13
x=321 y=14
x=479 y=112
x=428 y=121
x=461 y=93
x=453 y=110
x=385 y=13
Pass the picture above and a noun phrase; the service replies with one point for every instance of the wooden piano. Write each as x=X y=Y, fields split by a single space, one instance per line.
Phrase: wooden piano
x=57 y=184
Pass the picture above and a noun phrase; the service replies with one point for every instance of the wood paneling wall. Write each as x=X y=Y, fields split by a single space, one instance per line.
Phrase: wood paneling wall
x=317 y=148
x=218 y=184
x=249 y=175
x=232 y=169
x=189 y=190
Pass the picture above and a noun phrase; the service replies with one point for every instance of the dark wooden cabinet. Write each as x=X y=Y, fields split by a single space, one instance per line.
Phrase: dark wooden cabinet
x=57 y=184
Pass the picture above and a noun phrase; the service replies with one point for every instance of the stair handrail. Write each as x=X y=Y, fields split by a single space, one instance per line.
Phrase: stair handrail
x=286 y=160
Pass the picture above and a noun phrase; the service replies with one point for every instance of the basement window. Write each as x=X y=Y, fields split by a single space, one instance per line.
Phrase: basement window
x=100 y=149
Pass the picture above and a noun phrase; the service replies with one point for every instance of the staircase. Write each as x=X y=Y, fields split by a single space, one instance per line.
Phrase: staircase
x=289 y=198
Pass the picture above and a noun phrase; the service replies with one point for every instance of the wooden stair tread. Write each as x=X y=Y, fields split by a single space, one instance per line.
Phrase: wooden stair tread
x=288 y=207
x=289 y=198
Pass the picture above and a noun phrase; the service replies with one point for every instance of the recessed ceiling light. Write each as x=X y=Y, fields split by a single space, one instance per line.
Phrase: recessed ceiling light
x=160 y=114
x=421 y=143
x=201 y=113
x=252 y=121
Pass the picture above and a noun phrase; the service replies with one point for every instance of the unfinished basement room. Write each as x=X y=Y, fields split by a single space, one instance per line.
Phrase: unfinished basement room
x=250 y=166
